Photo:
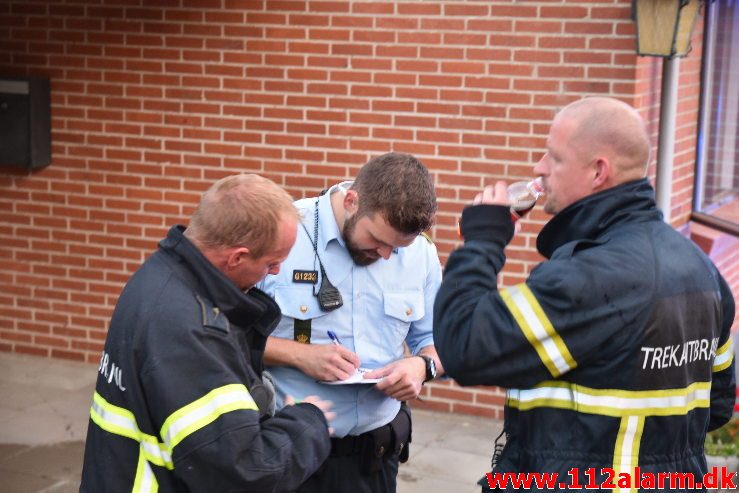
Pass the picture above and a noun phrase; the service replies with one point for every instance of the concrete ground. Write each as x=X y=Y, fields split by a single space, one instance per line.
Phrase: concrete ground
x=44 y=412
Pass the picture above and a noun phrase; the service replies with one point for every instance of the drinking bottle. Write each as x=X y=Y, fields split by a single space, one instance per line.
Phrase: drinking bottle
x=522 y=195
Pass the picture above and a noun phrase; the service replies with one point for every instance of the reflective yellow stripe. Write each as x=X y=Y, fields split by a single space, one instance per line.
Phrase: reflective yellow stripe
x=145 y=481
x=120 y=421
x=537 y=329
x=183 y=422
x=724 y=356
x=612 y=402
x=626 y=453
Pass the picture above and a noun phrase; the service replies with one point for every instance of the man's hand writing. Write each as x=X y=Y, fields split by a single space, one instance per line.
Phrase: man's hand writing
x=328 y=362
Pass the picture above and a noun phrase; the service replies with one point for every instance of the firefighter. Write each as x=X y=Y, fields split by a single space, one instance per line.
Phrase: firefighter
x=180 y=403
x=616 y=351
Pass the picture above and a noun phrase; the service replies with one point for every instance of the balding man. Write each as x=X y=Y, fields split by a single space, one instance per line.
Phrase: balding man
x=616 y=351
x=179 y=403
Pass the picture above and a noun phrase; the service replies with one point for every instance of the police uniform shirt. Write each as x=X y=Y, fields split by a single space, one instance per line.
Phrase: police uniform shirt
x=385 y=303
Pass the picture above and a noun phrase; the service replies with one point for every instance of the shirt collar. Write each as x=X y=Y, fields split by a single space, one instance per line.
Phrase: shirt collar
x=328 y=228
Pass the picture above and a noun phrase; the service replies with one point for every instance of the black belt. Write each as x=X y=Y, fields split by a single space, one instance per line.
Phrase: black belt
x=349 y=445
x=385 y=441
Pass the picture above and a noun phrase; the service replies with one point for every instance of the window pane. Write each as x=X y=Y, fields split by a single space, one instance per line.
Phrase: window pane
x=717 y=192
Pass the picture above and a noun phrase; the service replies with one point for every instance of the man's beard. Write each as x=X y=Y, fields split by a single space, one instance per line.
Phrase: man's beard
x=359 y=256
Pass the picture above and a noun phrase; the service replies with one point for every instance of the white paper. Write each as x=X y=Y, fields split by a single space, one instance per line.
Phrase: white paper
x=357 y=377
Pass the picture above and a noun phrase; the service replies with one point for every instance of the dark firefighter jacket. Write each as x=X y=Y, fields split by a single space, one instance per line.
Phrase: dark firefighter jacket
x=179 y=401
x=616 y=351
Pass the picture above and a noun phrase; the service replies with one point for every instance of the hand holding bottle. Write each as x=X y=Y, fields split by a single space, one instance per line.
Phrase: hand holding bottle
x=520 y=196
x=494 y=195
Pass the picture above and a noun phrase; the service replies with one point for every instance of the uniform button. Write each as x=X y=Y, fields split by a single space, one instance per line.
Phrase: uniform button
x=409 y=311
x=303 y=308
x=382 y=450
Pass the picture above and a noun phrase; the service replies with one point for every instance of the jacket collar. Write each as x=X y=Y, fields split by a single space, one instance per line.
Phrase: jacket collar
x=253 y=309
x=590 y=217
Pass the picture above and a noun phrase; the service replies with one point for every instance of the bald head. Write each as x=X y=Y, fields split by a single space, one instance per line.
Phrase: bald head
x=611 y=128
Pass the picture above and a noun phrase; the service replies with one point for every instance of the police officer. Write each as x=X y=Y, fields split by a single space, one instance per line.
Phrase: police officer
x=616 y=351
x=180 y=404
x=358 y=285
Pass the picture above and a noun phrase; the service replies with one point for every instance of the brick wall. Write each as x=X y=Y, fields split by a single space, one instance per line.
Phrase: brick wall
x=151 y=104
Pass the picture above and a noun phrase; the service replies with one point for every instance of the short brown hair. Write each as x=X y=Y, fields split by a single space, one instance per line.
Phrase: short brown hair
x=400 y=188
x=240 y=210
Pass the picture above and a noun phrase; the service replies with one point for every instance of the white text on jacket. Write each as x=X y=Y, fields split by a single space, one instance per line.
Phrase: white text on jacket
x=112 y=373
x=679 y=354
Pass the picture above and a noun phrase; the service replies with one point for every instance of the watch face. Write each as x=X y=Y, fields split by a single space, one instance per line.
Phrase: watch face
x=430 y=367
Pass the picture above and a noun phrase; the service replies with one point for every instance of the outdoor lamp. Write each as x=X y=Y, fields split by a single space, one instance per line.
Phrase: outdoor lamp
x=664 y=27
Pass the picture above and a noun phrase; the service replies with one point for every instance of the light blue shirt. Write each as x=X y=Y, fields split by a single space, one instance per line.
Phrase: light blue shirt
x=386 y=303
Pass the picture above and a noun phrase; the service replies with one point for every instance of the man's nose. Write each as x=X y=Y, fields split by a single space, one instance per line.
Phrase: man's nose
x=540 y=168
x=385 y=251
x=274 y=270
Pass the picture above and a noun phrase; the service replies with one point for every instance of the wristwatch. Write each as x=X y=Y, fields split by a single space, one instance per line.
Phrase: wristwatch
x=430 y=367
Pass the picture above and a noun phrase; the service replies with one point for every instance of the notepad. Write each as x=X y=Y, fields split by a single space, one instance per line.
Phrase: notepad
x=356 y=378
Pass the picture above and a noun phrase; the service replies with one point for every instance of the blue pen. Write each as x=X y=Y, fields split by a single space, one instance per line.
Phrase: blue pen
x=333 y=338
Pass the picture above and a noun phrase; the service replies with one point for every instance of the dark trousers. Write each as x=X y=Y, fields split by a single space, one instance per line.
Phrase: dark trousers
x=345 y=475
x=367 y=463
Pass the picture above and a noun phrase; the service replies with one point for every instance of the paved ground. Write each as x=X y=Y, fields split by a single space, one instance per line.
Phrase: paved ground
x=43 y=422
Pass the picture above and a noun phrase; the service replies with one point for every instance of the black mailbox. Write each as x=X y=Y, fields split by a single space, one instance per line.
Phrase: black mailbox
x=25 y=122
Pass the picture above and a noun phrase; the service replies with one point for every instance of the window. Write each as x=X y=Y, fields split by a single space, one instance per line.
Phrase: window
x=717 y=179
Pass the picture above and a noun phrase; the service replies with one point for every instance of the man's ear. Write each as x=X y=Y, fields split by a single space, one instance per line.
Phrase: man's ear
x=351 y=201
x=602 y=172
x=236 y=256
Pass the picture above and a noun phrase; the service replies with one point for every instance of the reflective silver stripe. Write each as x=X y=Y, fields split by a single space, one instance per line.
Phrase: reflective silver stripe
x=204 y=411
x=610 y=402
x=120 y=421
x=538 y=329
x=115 y=419
x=145 y=481
x=626 y=453
x=724 y=356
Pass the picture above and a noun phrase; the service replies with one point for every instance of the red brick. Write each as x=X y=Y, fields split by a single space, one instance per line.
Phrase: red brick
x=622 y=13
x=610 y=73
x=31 y=350
x=612 y=44
x=329 y=34
x=589 y=57
x=372 y=8
x=487 y=82
x=69 y=355
x=460 y=123
x=418 y=8
x=431 y=405
x=562 y=72
x=7 y=335
x=566 y=12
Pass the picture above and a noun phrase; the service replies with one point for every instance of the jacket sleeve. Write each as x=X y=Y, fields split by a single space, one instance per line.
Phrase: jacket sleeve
x=276 y=455
x=198 y=385
x=468 y=314
x=539 y=330
x=723 y=382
